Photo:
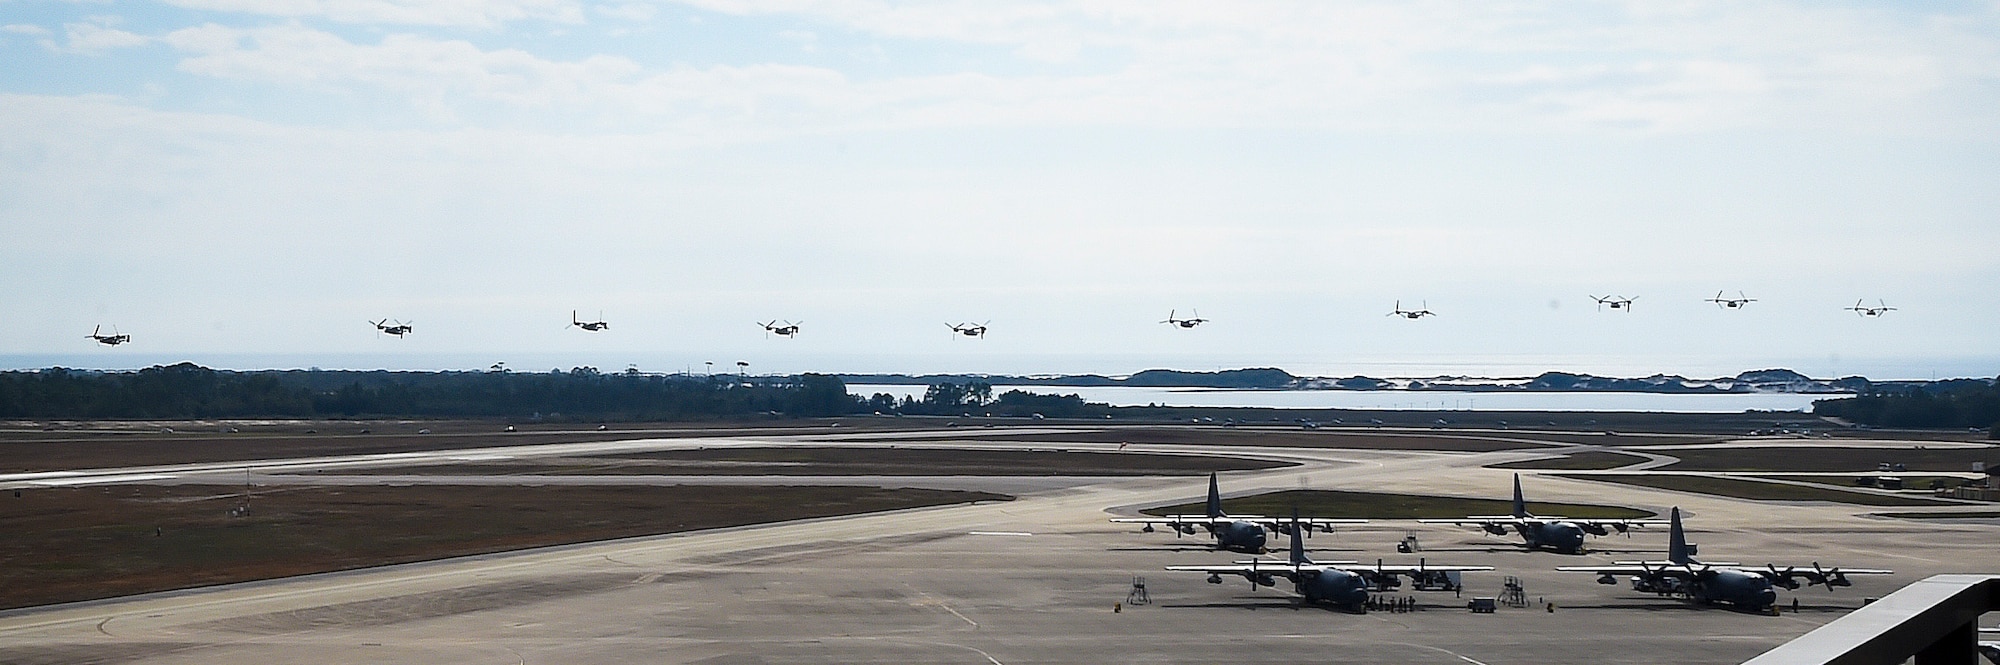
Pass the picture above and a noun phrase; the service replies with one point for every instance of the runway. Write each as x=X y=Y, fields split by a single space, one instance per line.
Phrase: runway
x=1034 y=580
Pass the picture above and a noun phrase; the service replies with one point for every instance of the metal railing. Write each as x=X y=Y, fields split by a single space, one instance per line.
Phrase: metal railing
x=1935 y=620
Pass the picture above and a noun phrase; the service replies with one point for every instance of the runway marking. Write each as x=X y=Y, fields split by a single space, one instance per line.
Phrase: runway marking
x=1469 y=660
x=998 y=533
x=932 y=600
x=92 y=480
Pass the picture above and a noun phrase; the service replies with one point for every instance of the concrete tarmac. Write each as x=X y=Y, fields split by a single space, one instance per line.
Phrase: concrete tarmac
x=1033 y=580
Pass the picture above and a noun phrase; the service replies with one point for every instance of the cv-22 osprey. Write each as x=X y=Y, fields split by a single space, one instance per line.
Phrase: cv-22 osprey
x=1236 y=533
x=1339 y=583
x=114 y=339
x=1716 y=582
x=1563 y=535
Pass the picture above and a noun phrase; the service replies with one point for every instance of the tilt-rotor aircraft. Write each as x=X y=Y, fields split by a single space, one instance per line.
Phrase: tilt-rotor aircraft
x=1184 y=323
x=589 y=326
x=399 y=330
x=1717 y=582
x=1563 y=535
x=1236 y=533
x=114 y=339
x=1731 y=303
x=1331 y=583
x=1418 y=313
x=1616 y=302
x=788 y=330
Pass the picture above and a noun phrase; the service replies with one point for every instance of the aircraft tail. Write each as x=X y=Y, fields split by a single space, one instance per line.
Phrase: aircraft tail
x=1214 y=497
x=1520 y=504
x=1298 y=540
x=1677 y=541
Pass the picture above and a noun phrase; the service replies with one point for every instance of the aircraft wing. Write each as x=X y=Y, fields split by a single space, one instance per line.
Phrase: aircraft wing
x=1255 y=571
x=1815 y=575
x=1322 y=524
x=1406 y=569
x=1198 y=520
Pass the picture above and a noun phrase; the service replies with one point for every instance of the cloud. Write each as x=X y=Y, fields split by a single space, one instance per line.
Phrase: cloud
x=95 y=38
x=1537 y=67
x=24 y=29
x=629 y=11
x=459 y=13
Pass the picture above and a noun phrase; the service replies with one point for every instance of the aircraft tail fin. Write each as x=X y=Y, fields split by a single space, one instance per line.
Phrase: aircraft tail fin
x=1677 y=542
x=1298 y=540
x=1520 y=504
x=1214 y=497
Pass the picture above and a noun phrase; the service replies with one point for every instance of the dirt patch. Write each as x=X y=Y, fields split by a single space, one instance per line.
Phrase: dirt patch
x=68 y=544
x=1381 y=506
x=789 y=461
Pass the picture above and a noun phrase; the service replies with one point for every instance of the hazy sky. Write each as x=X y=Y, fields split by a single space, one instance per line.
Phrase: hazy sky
x=248 y=182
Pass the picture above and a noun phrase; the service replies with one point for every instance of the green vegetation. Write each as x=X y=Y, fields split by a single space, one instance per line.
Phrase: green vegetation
x=1378 y=506
x=191 y=391
x=1909 y=482
x=1594 y=460
x=1756 y=490
x=1955 y=403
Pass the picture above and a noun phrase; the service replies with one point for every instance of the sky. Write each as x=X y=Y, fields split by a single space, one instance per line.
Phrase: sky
x=248 y=183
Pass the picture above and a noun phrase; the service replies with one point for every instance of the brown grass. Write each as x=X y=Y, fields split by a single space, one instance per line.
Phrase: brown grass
x=71 y=544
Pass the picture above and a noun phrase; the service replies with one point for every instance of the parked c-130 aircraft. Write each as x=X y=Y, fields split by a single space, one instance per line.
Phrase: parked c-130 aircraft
x=1715 y=582
x=1329 y=582
x=1562 y=535
x=1236 y=533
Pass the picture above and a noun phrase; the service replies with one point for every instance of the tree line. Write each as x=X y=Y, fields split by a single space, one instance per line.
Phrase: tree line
x=187 y=390
x=191 y=391
x=1967 y=403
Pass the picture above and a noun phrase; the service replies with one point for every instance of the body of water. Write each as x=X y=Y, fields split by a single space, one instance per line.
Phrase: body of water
x=1404 y=399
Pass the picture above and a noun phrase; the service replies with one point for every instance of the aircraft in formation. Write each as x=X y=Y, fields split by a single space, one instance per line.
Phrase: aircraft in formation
x=1185 y=323
x=590 y=326
x=114 y=339
x=791 y=329
x=1340 y=583
x=1413 y=314
x=1731 y=303
x=1236 y=533
x=1615 y=302
x=1715 y=582
x=382 y=327
x=1562 y=535
x=1879 y=309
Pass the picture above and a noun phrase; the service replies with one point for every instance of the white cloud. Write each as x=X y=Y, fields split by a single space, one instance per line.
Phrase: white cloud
x=24 y=29
x=628 y=11
x=461 y=13
x=94 y=38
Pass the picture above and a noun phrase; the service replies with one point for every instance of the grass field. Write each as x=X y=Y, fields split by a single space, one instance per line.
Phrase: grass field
x=1909 y=482
x=1761 y=491
x=1380 y=506
x=1943 y=516
x=789 y=461
x=1595 y=460
x=1830 y=459
x=71 y=544
x=1325 y=438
